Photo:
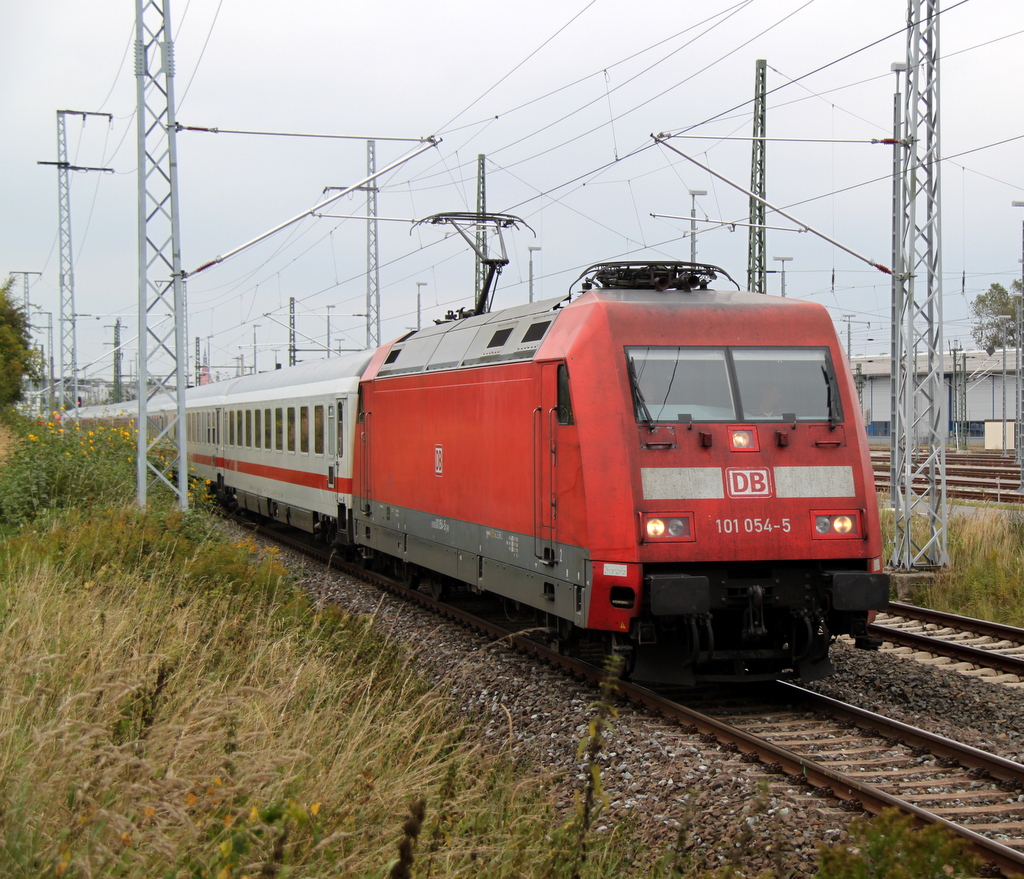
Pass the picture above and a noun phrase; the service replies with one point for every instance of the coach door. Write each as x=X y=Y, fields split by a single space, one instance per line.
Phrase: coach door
x=340 y=457
x=218 y=441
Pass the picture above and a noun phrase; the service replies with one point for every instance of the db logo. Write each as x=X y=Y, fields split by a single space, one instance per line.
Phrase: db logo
x=748 y=483
x=438 y=460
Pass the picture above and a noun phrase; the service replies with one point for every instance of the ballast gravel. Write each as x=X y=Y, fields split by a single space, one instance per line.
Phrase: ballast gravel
x=676 y=792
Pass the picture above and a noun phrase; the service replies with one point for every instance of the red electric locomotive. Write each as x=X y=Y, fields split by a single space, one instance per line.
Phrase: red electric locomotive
x=679 y=472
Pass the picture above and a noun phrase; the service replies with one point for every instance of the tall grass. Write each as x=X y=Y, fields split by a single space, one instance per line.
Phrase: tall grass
x=158 y=718
x=985 y=575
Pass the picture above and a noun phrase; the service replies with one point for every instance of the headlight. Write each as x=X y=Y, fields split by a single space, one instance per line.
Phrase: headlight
x=743 y=439
x=679 y=527
x=668 y=527
x=655 y=527
x=828 y=525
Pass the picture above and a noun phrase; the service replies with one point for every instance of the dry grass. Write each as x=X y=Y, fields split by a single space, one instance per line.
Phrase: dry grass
x=167 y=725
x=985 y=577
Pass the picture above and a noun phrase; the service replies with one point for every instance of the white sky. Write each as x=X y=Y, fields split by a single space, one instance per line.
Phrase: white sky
x=561 y=97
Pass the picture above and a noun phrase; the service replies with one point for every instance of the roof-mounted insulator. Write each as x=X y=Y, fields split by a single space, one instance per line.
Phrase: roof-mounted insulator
x=660 y=276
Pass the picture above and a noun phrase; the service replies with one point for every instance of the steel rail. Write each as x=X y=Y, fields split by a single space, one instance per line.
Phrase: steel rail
x=981 y=656
x=1013 y=665
x=968 y=624
x=777 y=757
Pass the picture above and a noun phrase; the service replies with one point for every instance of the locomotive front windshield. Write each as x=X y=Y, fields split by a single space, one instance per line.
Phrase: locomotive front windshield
x=733 y=384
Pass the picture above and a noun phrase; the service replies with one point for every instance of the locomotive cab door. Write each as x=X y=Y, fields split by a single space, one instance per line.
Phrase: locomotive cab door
x=546 y=418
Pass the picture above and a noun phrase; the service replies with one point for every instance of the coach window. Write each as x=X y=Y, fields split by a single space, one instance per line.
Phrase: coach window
x=231 y=428
x=304 y=429
x=330 y=431
x=318 y=430
x=258 y=428
x=267 y=430
x=239 y=433
x=248 y=428
x=291 y=428
x=565 y=415
x=279 y=429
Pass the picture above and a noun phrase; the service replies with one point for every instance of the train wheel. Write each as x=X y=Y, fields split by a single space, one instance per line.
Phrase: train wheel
x=620 y=656
x=564 y=634
x=438 y=589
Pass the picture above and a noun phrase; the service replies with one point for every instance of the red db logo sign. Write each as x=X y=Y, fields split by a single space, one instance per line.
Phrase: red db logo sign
x=748 y=483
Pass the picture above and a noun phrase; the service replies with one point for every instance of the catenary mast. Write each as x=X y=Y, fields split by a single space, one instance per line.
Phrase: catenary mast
x=162 y=358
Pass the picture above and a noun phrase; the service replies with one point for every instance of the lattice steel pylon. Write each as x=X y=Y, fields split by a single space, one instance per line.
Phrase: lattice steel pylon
x=68 y=335
x=372 y=252
x=162 y=357
x=918 y=443
x=481 y=268
x=757 y=267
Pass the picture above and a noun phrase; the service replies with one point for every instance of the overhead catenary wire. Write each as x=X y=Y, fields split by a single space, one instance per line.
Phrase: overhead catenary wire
x=432 y=142
x=562 y=186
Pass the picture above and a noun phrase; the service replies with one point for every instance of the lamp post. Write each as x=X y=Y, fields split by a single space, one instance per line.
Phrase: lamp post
x=532 y=250
x=419 y=303
x=1018 y=440
x=783 y=260
x=693 y=222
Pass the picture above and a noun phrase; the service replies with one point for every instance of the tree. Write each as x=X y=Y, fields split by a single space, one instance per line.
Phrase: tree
x=17 y=359
x=995 y=317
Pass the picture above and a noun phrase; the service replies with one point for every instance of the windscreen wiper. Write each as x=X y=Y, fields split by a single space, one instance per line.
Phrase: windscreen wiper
x=639 y=404
x=833 y=397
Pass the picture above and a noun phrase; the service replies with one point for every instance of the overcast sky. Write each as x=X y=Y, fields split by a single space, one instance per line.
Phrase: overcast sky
x=561 y=97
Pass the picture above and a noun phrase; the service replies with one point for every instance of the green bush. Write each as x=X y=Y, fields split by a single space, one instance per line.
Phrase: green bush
x=890 y=847
x=60 y=465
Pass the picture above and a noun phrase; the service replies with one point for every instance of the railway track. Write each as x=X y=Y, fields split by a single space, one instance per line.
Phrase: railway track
x=970 y=642
x=969 y=476
x=862 y=759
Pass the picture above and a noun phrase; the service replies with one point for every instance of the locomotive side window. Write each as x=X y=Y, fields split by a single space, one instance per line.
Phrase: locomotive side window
x=565 y=415
x=733 y=384
x=797 y=381
x=318 y=430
